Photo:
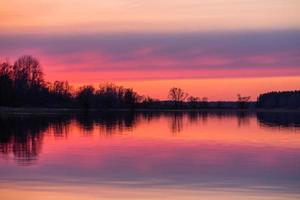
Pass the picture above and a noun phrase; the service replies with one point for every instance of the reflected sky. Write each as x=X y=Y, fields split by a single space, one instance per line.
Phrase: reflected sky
x=150 y=155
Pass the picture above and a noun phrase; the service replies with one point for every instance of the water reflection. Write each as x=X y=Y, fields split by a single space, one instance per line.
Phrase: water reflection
x=279 y=119
x=22 y=135
x=176 y=123
x=234 y=153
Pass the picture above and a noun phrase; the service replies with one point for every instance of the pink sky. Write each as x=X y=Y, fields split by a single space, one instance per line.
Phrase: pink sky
x=240 y=46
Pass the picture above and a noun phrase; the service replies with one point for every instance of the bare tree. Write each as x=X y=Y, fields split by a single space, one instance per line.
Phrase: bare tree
x=6 y=84
x=242 y=101
x=193 y=101
x=28 y=70
x=61 y=88
x=5 y=69
x=204 y=99
x=85 y=96
x=177 y=95
x=131 y=98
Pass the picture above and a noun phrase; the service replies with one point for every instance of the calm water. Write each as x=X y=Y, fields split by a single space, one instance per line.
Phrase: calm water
x=175 y=155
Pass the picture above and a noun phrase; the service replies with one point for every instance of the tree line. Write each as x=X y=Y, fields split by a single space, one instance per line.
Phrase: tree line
x=22 y=84
x=285 y=100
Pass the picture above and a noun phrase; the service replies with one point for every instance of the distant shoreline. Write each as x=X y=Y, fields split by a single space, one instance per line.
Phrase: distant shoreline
x=45 y=110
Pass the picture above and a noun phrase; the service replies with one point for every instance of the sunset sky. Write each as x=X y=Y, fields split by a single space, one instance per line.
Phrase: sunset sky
x=211 y=48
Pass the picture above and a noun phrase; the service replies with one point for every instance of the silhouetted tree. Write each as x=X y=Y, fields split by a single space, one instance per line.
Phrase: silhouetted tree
x=287 y=99
x=27 y=70
x=61 y=93
x=61 y=88
x=112 y=96
x=109 y=96
x=85 y=96
x=148 y=102
x=242 y=101
x=22 y=84
x=28 y=81
x=177 y=95
x=193 y=101
x=204 y=102
x=6 y=84
x=131 y=98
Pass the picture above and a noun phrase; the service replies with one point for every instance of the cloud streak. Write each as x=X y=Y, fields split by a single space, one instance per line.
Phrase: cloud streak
x=263 y=52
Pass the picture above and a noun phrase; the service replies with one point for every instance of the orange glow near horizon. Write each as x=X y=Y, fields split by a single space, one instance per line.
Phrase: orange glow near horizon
x=215 y=89
x=210 y=48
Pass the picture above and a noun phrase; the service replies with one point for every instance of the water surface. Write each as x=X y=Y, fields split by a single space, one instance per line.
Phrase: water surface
x=151 y=155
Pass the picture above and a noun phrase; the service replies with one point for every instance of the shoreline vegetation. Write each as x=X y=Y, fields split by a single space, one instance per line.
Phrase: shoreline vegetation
x=22 y=87
x=45 y=110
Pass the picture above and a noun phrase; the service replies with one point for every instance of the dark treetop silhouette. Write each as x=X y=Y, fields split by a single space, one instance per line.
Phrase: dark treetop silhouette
x=22 y=85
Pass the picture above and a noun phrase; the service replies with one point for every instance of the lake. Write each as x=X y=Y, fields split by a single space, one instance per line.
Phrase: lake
x=150 y=155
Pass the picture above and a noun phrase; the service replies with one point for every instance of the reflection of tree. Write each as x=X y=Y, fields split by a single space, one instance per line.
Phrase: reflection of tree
x=28 y=151
x=279 y=119
x=60 y=129
x=204 y=117
x=25 y=152
x=243 y=118
x=107 y=122
x=176 y=118
x=243 y=101
x=176 y=122
x=22 y=135
x=193 y=117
